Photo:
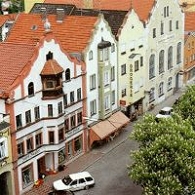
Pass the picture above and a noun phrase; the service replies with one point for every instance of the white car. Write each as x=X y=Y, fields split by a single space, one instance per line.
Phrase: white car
x=165 y=112
x=75 y=181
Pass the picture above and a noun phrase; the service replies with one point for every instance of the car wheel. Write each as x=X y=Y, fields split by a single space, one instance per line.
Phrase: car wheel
x=86 y=187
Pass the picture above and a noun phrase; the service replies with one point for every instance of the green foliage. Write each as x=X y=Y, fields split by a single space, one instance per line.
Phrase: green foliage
x=165 y=161
x=186 y=105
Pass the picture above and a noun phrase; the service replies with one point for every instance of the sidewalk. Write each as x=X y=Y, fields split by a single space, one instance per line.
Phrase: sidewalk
x=86 y=160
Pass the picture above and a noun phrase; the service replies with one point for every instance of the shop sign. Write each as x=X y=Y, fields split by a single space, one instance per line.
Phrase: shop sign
x=31 y=155
x=73 y=132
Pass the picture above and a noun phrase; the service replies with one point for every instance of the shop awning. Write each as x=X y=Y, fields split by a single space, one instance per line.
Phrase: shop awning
x=119 y=119
x=101 y=130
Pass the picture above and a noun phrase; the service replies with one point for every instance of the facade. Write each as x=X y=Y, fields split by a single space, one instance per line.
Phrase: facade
x=131 y=65
x=189 y=51
x=6 y=166
x=48 y=131
x=164 y=26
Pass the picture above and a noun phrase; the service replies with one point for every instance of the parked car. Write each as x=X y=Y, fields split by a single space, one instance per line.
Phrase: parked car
x=75 y=181
x=60 y=192
x=165 y=112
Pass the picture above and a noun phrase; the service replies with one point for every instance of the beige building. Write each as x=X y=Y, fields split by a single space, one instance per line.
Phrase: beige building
x=28 y=4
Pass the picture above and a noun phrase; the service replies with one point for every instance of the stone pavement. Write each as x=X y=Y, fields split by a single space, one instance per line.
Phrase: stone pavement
x=86 y=160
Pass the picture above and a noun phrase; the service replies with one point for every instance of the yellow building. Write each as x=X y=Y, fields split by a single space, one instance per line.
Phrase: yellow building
x=28 y=4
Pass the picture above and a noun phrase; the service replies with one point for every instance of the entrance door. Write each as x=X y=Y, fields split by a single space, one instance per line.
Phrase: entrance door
x=41 y=166
x=4 y=184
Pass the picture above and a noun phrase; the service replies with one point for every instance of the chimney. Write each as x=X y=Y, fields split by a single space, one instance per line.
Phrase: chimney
x=43 y=13
x=60 y=14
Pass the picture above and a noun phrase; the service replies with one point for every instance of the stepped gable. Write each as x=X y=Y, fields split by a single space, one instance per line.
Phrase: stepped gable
x=74 y=32
x=13 y=59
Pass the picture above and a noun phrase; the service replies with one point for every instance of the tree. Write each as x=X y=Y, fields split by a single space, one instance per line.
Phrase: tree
x=164 y=164
x=186 y=105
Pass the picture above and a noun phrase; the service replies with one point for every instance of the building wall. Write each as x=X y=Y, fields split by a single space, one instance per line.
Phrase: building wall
x=29 y=161
x=163 y=42
x=102 y=32
x=28 y=4
x=131 y=47
x=189 y=61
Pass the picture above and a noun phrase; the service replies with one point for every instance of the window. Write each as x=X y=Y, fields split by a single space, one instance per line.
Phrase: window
x=141 y=61
x=113 y=97
x=152 y=67
x=3 y=148
x=136 y=65
x=106 y=78
x=50 y=110
x=60 y=108
x=166 y=11
x=50 y=84
x=37 y=113
x=65 y=100
x=49 y=56
x=61 y=135
x=79 y=94
x=178 y=52
x=72 y=121
x=162 y=28
x=169 y=84
x=79 y=118
x=107 y=103
x=170 y=57
x=92 y=82
x=177 y=24
x=27 y=176
x=123 y=69
x=161 y=61
x=66 y=124
x=104 y=54
x=67 y=74
x=20 y=149
x=38 y=140
x=93 y=107
x=91 y=55
x=72 y=97
x=29 y=144
x=170 y=25
x=160 y=89
x=112 y=73
x=31 y=89
x=112 y=48
x=154 y=32
x=152 y=95
x=51 y=137
x=28 y=117
x=123 y=93
x=61 y=156
x=123 y=48
x=19 y=121
x=78 y=144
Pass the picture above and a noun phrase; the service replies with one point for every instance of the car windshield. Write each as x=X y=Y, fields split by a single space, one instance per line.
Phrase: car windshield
x=163 y=112
x=67 y=180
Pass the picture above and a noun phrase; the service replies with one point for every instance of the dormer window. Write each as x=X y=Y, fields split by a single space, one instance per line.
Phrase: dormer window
x=31 y=89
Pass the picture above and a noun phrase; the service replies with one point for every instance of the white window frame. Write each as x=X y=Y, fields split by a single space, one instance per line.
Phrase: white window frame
x=107 y=102
x=93 y=108
x=3 y=148
x=92 y=82
x=106 y=78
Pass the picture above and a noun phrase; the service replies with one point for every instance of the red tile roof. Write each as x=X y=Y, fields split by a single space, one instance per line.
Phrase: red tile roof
x=51 y=67
x=13 y=58
x=142 y=7
x=74 y=32
x=189 y=21
x=4 y=18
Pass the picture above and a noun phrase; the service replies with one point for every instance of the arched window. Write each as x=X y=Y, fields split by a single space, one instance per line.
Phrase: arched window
x=67 y=74
x=91 y=55
x=152 y=94
x=169 y=84
x=178 y=52
x=161 y=61
x=49 y=56
x=161 y=89
x=170 y=57
x=31 y=89
x=152 y=66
